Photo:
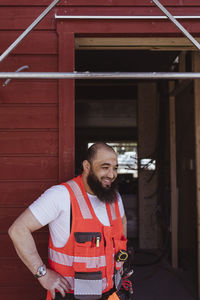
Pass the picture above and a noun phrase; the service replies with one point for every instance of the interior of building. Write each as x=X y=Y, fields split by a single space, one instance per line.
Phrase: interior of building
x=133 y=116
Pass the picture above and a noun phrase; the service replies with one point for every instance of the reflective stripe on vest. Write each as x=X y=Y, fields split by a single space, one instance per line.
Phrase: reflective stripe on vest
x=71 y=282
x=80 y=199
x=113 y=212
x=82 y=203
x=88 y=285
x=88 y=288
x=67 y=260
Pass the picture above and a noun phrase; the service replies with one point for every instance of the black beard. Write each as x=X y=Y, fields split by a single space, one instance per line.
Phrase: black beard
x=104 y=194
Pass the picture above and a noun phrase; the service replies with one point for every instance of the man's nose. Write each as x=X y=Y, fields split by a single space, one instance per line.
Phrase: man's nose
x=110 y=174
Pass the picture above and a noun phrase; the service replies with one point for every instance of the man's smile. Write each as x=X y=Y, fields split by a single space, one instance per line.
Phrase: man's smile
x=106 y=182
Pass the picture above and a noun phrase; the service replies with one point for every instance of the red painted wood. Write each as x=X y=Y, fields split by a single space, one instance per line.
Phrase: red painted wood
x=29 y=91
x=131 y=3
x=36 y=63
x=29 y=292
x=7 y=249
x=128 y=27
x=98 y=3
x=19 y=19
x=22 y=193
x=26 y=142
x=37 y=42
x=7 y=217
x=9 y=214
x=128 y=11
x=28 y=168
x=30 y=116
x=66 y=107
x=15 y=273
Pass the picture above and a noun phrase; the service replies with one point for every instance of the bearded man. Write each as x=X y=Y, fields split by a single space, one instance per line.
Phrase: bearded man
x=87 y=226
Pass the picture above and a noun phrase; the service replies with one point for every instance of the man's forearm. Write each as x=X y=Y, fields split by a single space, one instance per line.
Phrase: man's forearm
x=21 y=234
x=25 y=246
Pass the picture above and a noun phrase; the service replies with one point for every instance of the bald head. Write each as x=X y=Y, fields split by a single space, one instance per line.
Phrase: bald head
x=95 y=148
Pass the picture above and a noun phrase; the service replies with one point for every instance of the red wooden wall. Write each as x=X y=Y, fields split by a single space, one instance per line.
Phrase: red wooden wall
x=37 y=116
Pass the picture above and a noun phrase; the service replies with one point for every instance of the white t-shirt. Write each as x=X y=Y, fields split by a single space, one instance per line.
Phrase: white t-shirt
x=53 y=208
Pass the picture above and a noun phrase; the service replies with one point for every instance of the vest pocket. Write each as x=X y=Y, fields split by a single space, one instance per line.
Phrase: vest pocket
x=83 y=237
x=88 y=285
x=120 y=244
x=87 y=243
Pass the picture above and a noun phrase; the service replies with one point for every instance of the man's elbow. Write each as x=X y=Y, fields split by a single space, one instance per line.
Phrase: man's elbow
x=12 y=231
x=15 y=231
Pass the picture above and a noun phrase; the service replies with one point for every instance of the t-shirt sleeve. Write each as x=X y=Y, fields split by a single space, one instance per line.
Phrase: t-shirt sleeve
x=50 y=204
x=121 y=206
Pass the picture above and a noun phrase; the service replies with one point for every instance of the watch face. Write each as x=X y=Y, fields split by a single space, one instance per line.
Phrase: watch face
x=41 y=271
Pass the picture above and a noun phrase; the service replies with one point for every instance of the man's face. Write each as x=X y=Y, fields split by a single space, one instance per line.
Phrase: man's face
x=102 y=175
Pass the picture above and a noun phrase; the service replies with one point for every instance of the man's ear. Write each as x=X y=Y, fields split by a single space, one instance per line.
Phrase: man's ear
x=86 y=166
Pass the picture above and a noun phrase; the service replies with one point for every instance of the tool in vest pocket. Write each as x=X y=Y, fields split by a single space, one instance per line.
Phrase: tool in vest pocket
x=122 y=255
x=98 y=239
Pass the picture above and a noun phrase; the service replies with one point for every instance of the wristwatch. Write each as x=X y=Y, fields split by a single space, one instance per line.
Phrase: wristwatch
x=41 y=271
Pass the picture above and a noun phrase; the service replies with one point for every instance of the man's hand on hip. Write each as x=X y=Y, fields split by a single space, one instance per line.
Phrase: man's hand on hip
x=53 y=281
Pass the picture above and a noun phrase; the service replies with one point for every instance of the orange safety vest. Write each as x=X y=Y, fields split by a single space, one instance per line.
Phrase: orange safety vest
x=87 y=260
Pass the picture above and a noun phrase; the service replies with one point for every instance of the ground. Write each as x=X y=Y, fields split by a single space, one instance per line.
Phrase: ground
x=161 y=282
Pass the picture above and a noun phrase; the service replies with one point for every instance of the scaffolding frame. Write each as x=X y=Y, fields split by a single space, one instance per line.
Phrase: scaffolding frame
x=180 y=27
x=101 y=75
x=29 y=29
x=53 y=4
x=119 y=75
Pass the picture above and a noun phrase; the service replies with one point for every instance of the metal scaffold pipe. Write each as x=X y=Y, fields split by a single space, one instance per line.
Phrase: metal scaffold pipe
x=180 y=27
x=100 y=75
x=148 y=17
x=26 y=32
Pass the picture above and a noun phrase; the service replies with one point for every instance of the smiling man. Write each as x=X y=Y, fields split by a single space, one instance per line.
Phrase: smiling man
x=100 y=172
x=87 y=228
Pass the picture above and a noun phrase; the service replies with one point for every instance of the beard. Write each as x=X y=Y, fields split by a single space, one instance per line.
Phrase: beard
x=105 y=194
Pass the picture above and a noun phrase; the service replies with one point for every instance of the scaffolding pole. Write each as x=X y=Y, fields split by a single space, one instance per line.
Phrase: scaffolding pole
x=182 y=29
x=100 y=75
x=82 y=17
x=24 y=34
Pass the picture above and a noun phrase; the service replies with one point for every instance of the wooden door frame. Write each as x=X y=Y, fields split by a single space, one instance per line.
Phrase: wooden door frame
x=67 y=31
x=66 y=104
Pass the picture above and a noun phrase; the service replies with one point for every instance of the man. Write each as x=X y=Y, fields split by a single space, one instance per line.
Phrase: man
x=81 y=254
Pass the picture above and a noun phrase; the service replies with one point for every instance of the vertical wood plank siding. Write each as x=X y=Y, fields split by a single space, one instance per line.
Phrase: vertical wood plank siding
x=37 y=116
